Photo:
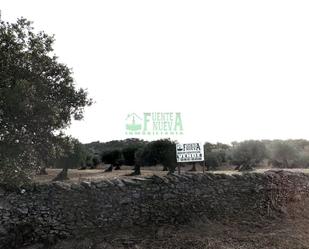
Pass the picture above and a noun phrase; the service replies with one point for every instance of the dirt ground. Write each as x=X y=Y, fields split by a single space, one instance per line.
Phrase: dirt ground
x=76 y=175
x=202 y=234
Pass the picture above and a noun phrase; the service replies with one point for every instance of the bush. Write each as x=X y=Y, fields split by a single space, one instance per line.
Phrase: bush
x=214 y=159
x=283 y=154
x=95 y=161
x=72 y=156
x=161 y=151
x=111 y=157
x=88 y=161
x=128 y=154
x=215 y=155
x=302 y=161
x=248 y=154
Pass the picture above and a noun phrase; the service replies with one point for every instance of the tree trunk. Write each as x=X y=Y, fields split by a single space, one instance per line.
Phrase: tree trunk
x=137 y=170
x=63 y=175
x=193 y=167
x=109 y=169
x=117 y=167
x=42 y=171
x=207 y=166
x=285 y=163
x=171 y=170
x=165 y=168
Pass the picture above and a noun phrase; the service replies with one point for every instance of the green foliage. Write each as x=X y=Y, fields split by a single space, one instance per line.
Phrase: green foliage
x=302 y=160
x=129 y=154
x=98 y=147
x=248 y=154
x=284 y=153
x=215 y=155
x=214 y=159
x=139 y=157
x=126 y=147
x=112 y=157
x=88 y=160
x=161 y=151
x=38 y=99
x=208 y=147
x=95 y=161
x=73 y=154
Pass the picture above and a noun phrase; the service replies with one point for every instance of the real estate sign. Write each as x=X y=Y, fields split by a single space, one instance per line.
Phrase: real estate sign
x=191 y=152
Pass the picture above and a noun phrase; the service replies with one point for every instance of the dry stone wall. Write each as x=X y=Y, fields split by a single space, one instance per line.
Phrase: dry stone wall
x=48 y=212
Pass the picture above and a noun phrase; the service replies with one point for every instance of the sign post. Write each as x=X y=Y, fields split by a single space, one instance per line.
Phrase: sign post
x=178 y=167
x=189 y=152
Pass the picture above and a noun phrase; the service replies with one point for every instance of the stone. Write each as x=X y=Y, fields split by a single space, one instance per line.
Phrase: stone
x=61 y=210
x=23 y=210
x=86 y=184
x=130 y=182
x=62 y=185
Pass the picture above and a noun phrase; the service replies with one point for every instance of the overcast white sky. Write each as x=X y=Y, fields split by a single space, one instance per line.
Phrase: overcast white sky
x=234 y=69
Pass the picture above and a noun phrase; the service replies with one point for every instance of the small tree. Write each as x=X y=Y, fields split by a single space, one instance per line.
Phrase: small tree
x=248 y=154
x=48 y=156
x=114 y=158
x=215 y=155
x=161 y=151
x=214 y=159
x=303 y=159
x=129 y=154
x=138 y=162
x=88 y=161
x=284 y=153
x=72 y=155
x=95 y=162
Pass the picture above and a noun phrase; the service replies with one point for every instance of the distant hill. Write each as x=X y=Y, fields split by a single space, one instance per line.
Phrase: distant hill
x=98 y=147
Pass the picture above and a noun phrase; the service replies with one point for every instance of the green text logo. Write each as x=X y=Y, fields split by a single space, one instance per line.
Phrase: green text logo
x=154 y=123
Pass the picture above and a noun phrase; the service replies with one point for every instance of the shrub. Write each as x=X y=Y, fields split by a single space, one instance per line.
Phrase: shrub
x=248 y=154
x=214 y=159
x=283 y=153
x=129 y=154
x=95 y=161
x=161 y=151
x=111 y=157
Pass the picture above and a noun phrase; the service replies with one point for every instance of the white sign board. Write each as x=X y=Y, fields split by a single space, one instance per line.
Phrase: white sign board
x=192 y=152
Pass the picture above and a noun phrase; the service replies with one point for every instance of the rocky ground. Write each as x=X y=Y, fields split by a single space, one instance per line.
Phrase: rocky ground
x=76 y=175
x=287 y=232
